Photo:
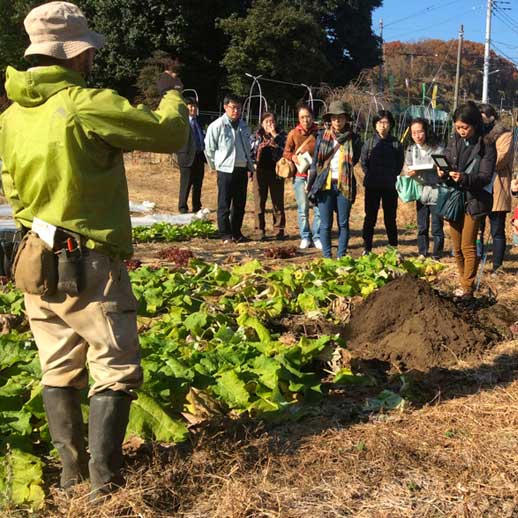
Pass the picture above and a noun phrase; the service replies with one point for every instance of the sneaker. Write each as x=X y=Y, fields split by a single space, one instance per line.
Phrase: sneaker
x=317 y=243
x=280 y=235
x=366 y=252
x=421 y=257
x=305 y=243
x=241 y=239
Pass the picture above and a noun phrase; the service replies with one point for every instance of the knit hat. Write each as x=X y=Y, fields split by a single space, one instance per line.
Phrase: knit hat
x=59 y=30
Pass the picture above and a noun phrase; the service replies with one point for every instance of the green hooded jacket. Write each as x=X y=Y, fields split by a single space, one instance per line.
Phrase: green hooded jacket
x=62 y=149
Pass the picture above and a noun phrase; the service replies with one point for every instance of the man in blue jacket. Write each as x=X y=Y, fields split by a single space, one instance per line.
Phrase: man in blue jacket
x=227 y=148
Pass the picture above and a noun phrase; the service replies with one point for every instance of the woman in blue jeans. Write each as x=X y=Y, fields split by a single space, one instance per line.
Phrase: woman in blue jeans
x=331 y=178
x=301 y=140
x=417 y=156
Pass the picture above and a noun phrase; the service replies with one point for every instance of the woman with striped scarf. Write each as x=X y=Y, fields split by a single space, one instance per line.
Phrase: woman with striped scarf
x=331 y=178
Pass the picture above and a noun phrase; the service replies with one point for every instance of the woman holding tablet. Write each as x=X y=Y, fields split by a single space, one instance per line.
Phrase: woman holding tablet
x=419 y=165
x=472 y=161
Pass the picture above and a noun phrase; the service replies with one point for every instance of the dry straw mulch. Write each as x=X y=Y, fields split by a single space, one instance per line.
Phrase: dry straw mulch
x=456 y=458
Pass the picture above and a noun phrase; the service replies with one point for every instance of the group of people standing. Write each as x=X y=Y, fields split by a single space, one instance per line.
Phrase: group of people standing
x=323 y=185
x=479 y=152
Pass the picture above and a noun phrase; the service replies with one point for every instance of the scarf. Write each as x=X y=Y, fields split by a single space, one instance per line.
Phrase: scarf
x=345 y=161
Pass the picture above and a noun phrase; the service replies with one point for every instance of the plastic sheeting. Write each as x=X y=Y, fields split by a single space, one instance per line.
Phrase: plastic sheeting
x=7 y=222
x=145 y=206
x=173 y=219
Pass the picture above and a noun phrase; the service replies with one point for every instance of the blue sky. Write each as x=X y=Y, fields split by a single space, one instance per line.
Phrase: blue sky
x=411 y=21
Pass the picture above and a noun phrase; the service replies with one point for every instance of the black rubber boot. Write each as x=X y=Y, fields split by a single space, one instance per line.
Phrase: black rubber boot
x=109 y=414
x=63 y=409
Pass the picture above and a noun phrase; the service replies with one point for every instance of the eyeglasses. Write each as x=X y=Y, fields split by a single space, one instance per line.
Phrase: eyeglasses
x=234 y=107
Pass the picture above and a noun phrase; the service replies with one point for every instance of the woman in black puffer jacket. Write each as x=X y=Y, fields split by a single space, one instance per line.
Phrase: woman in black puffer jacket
x=473 y=162
x=381 y=159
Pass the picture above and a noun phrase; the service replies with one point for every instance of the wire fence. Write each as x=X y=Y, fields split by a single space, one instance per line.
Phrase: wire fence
x=286 y=116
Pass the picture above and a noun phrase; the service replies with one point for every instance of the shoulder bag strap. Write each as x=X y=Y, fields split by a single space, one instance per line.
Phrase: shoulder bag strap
x=330 y=157
x=302 y=145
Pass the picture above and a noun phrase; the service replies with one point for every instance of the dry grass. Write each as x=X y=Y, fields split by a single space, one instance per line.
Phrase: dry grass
x=454 y=459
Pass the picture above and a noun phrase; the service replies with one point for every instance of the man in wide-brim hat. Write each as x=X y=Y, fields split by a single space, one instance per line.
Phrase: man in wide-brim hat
x=63 y=173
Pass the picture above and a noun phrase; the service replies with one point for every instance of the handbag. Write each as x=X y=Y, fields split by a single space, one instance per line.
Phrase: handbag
x=451 y=200
x=450 y=203
x=408 y=189
x=285 y=168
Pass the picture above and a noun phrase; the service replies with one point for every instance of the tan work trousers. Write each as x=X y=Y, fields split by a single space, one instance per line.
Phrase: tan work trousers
x=464 y=237
x=97 y=328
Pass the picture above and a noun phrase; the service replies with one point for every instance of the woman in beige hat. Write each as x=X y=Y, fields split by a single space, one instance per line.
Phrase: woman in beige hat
x=331 y=179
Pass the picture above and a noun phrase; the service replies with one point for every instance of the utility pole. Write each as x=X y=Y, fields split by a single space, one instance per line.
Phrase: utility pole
x=413 y=55
x=485 y=82
x=457 y=76
x=382 y=57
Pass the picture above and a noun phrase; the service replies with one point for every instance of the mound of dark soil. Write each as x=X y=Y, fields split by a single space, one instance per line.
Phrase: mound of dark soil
x=411 y=325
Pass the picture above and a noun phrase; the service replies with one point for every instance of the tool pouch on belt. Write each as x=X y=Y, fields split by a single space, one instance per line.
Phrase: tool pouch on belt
x=69 y=251
x=35 y=267
x=69 y=272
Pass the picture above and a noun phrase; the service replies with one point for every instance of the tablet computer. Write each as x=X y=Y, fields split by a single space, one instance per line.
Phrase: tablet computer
x=442 y=163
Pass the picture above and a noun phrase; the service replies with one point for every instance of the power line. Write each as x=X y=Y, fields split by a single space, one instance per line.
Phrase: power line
x=452 y=18
x=512 y=28
x=505 y=14
x=421 y=11
x=503 y=54
x=426 y=27
x=506 y=20
x=442 y=64
x=506 y=44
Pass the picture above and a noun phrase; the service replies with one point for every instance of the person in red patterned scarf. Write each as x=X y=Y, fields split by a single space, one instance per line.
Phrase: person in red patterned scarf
x=302 y=140
x=331 y=179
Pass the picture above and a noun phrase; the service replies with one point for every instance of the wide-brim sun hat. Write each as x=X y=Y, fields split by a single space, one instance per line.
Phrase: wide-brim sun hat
x=59 y=30
x=337 y=108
